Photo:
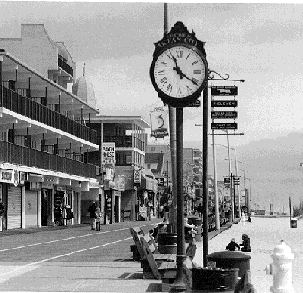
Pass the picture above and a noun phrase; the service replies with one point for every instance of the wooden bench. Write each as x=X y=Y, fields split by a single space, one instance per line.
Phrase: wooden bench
x=136 y=249
x=151 y=261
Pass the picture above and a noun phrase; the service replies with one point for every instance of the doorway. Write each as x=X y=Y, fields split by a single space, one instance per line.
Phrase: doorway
x=3 y=200
x=46 y=206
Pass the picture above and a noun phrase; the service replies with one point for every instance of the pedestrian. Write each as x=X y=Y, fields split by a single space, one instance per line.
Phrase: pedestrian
x=98 y=218
x=199 y=209
x=92 y=214
x=190 y=229
x=232 y=245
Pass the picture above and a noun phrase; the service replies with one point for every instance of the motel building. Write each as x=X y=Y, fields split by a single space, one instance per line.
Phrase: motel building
x=44 y=140
x=129 y=190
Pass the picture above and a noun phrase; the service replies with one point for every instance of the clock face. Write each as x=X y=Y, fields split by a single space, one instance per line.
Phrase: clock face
x=179 y=72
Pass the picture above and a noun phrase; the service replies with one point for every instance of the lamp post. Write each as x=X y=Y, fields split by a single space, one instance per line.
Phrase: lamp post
x=248 y=194
x=246 y=197
x=230 y=184
x=215 y=163
x=238 y=193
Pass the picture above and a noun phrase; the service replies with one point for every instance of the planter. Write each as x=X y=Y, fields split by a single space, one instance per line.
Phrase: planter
x=214 y=279
x=231 y=259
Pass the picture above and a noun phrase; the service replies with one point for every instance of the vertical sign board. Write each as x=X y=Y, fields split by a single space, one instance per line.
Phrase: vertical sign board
x=108 y=155
x=158 y=119
x=137 y=176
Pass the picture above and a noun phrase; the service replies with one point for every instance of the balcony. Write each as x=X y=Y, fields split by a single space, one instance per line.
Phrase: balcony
x=63 y=64
x=17 y=103
x=20 y=155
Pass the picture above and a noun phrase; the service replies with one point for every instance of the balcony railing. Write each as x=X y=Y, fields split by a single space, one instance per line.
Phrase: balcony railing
x=20 y=155
x=25 y=106
x=120 y=141
x=63 y=64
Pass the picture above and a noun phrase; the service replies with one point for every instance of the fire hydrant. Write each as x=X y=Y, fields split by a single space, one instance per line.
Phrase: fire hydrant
x=281 y=269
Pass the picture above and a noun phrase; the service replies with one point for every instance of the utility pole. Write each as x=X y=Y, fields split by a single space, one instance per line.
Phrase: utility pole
x=239 y=196
x=217 y=213
x=230 y=174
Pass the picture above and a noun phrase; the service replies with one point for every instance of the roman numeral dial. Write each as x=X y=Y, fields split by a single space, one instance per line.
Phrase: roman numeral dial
x=179 y=72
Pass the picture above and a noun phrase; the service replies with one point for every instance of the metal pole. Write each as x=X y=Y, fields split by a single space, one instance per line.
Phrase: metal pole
x=173 y=147
x=167 y=175
x=205 y=173
x=246 y=200
x=290 y=213
x=231 y=191
x=217 y=214
x=239 y=196
x=179 y=285
x=249 y=196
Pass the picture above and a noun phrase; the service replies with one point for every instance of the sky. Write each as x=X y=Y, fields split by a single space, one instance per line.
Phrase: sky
x=261 y=43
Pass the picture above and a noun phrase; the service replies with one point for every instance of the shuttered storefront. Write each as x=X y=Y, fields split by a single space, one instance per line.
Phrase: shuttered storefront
x=31 y=209
x=14 y=207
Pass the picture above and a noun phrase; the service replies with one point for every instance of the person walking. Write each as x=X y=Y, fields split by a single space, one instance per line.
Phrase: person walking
x=92 y=214
x=98 y=218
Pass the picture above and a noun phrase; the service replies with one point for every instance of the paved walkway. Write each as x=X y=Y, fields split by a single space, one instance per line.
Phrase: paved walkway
x=120 y=276
x=125 y=276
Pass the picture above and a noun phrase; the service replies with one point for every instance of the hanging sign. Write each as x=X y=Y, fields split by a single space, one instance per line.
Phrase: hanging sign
x=9 y=176
x=224 y=114
x=224 y=126
x=224 y=103
x=137 y=176
x=108 y=155
x=158 y=119
x=224 y=90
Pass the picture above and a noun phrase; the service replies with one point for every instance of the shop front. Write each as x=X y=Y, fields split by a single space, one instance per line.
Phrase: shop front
x=32 y=201
x=10 y=200
x=146 y=198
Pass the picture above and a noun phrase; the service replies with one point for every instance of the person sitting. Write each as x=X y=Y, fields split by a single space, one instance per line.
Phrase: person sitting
x=245 y=243
x=232 y=245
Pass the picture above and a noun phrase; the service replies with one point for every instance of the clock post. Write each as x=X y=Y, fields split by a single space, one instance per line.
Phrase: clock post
x=179 y=73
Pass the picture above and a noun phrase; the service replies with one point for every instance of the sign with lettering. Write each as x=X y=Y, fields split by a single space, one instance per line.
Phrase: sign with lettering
x=196 y=103
x=226 y=180
x=160 y=181
x=224 y=126
x=224 y=90
x=224 y=103
x=224 y=114
x=9 y=176
x=108 y=155
x=137 y=176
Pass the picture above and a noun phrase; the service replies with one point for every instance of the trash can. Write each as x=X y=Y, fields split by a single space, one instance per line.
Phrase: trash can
x=293 y=223
x=231 y=259
x=214 y=279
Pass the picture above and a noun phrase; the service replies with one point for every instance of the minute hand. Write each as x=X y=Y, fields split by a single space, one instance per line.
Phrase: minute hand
x=183 y=75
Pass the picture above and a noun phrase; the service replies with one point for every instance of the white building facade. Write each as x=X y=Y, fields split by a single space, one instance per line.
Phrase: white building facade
x=43 y=136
